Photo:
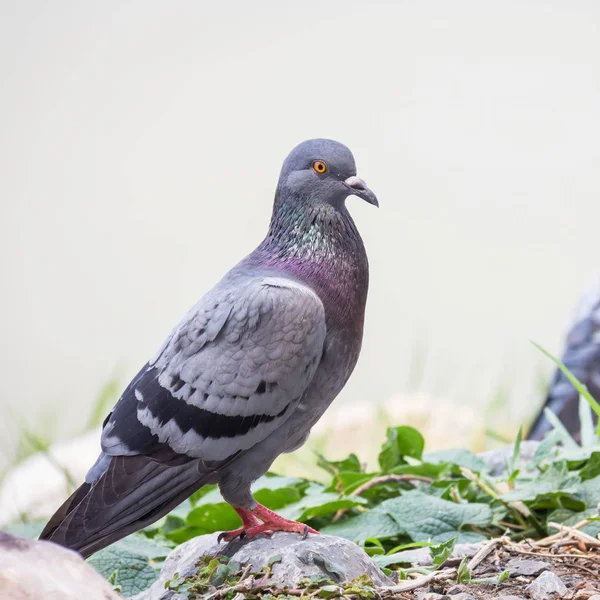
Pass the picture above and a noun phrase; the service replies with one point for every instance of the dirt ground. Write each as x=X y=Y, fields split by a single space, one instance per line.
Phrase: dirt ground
x=577 y=566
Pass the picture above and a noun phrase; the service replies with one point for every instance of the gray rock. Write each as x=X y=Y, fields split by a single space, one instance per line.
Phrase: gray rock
x=459 y=588
x=429 y=596
x=510 y=597
x=546 y=587
x=463 y=596
x=32 y=569
x=496 y=459
x=338 y=559
x=527 y=567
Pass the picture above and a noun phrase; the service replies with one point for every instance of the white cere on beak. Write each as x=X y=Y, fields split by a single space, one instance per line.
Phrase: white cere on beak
x=355 y=182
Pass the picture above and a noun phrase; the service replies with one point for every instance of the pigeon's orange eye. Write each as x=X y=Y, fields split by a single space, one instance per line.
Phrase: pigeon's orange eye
x=320 y=167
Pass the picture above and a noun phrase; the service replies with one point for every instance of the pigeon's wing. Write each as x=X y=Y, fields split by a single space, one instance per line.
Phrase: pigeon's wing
x=228 y=376
x=582 y=357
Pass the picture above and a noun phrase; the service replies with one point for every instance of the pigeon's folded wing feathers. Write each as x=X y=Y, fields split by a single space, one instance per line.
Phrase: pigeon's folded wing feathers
x=228 y=375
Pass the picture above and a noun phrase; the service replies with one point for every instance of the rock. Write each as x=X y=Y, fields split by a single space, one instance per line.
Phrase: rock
x=463 y=596
x=509 y=597
x=496 y=459
x=526 y=566
x=422 y=556
x=547 y=586
x=457 y=589
x=32 y=569
x=429 y=596
x=340 y=560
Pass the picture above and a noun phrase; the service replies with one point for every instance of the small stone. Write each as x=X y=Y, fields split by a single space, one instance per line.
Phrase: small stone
x=509 y=597
x=526 y=567
x=429 y=596
x=464 y=596
x=457 y=589
x=546 y=587
x=594 y=597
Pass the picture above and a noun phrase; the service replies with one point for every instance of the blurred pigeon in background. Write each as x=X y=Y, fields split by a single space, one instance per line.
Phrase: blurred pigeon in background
x=582 y=357
x=245 y=374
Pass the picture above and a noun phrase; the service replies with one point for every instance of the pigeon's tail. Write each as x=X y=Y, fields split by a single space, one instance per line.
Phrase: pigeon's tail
x=133 y=492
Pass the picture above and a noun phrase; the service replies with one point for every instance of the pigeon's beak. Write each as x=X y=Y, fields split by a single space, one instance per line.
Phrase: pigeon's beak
x=359 y=188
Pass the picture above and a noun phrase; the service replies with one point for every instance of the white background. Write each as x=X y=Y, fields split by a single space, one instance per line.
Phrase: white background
x=140 y=145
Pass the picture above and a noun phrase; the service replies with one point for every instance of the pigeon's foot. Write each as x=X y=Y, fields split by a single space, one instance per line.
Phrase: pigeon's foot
x=271 y=521
x=249 y=521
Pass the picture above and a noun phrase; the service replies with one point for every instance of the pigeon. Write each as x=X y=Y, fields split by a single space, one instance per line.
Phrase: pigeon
x=582 y=357
x=245 y=374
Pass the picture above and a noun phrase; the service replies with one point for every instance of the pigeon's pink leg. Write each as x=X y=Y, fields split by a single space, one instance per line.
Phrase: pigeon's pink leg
x=248 y=522
x=271 y=522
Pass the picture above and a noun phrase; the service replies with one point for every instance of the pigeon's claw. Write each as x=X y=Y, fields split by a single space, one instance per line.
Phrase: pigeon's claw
x=248 y=522
x=271 y=522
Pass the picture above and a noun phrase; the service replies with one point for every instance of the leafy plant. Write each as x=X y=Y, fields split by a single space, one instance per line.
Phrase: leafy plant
x=415 y=499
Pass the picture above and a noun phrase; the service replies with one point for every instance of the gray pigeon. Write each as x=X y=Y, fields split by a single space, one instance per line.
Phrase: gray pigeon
x=245 y=374
x=582 y=357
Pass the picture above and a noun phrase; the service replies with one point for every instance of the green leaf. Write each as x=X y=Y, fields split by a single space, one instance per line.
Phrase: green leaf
x=589 y=492
x=464 y=573
x=371 y=524
x=136 y=558
x=420 y=516
x=424 y=517
x=556 y=482
x=440 y=553
x=548 y=448
x=350 y=464
x=580 y=387
x=211 y=513
x=427 y=469
x=317 y=505
x=330 y=591
x=203 y=491
x=184 y=534
x=210 y=517
x=350 y=480
x=459 y=457
x=592 y=467
x=401 y=442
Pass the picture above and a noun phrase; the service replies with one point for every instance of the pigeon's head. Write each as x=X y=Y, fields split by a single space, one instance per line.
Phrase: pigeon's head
x=322 y=171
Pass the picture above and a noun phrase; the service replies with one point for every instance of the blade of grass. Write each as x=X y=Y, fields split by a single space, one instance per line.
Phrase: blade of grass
x=566 y=437
x=516 y=451
x=106 y=398
x=588 y=434
x=43 y=447
x=580 y=387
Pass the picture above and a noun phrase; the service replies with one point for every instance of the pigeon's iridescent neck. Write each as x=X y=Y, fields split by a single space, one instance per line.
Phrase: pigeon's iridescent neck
x=320 y=245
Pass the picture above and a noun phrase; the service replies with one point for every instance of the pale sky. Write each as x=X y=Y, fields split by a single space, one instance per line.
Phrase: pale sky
x=141 y=143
